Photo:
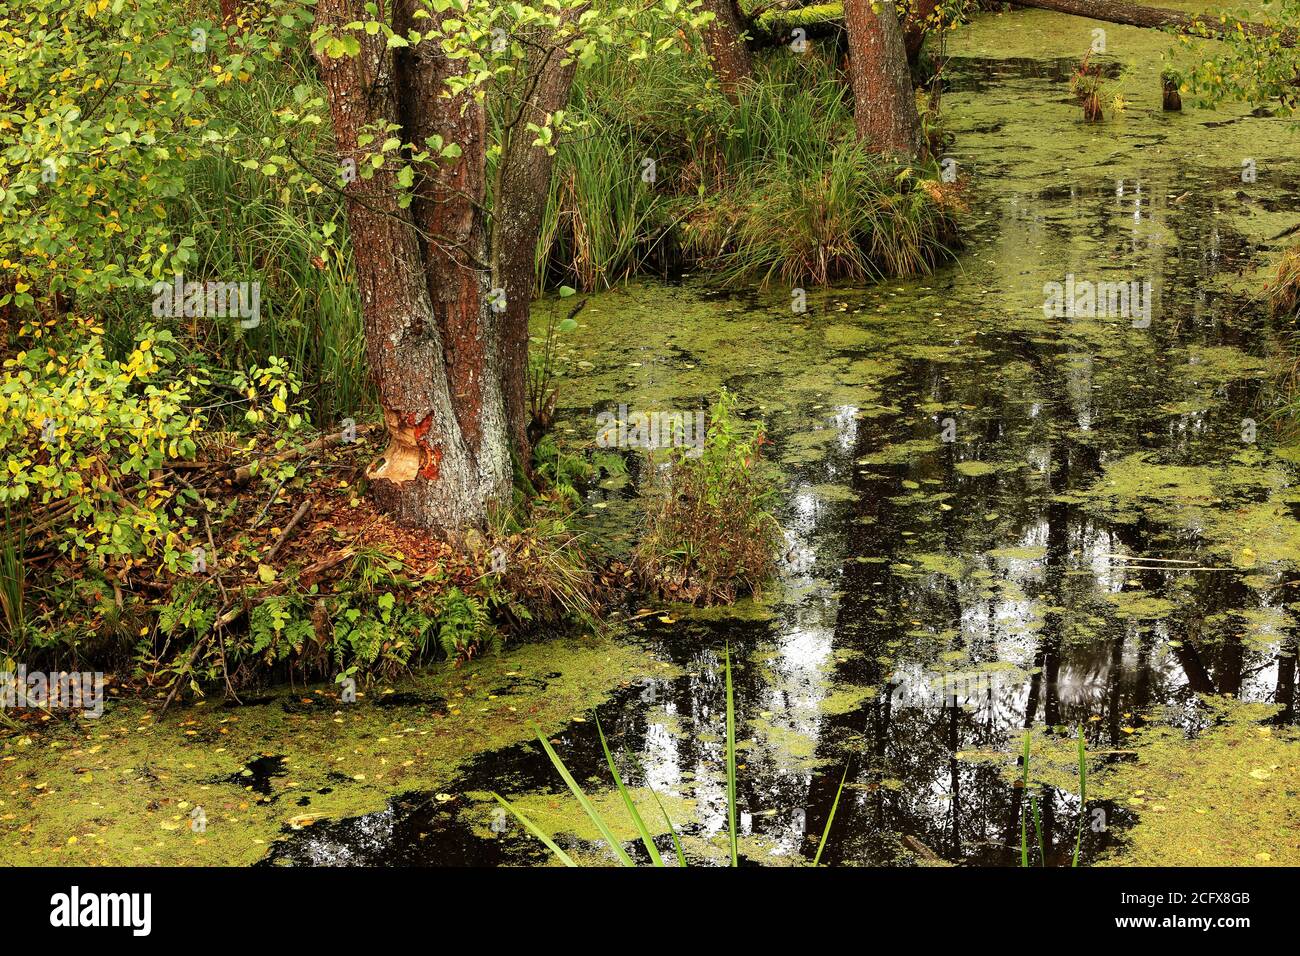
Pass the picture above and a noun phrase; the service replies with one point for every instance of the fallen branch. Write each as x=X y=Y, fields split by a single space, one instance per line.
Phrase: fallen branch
x=176 y=684
x=288 y=530
x=920 y=849
x=244 y=473
x=310 y=575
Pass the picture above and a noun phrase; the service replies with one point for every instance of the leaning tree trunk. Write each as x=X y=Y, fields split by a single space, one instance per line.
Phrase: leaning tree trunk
x=731 y=59
x=884 y=102
x=430 y=335
x=523 y=182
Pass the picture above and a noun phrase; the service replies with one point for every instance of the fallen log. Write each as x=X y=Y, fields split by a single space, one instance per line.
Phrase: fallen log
x=773 y=26
x=1133 y=15
x=921 y=850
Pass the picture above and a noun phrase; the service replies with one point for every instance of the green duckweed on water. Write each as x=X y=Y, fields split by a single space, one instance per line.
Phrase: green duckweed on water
x=338 y=760
x=1224 y=796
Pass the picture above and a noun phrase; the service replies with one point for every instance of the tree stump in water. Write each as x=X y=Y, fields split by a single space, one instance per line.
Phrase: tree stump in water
x=1173 y=102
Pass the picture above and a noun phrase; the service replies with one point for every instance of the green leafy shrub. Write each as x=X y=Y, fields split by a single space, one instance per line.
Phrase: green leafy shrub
x=709 y=536
x=84 y=438
x=463 y=626
x=99 y=107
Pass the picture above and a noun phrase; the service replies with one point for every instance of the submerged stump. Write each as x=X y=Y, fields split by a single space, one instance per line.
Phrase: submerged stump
x=1173 y=101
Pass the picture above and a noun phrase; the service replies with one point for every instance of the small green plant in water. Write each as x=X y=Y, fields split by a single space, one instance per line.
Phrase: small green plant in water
x=1033 y=806
x=647 y=840
x=1083 y=796
x=709 y=535
x=1088 y=88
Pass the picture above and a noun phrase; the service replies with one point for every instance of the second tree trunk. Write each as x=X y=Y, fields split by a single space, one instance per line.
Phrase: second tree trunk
x=884 y=102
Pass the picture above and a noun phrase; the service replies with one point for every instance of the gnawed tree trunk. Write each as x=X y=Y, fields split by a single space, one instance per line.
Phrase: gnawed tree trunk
x=523 y=181
x=727 y=50
x=450 y=213
x=430 y=334
x=884 y=102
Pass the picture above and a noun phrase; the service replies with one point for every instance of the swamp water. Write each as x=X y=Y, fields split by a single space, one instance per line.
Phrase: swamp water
x=998 y=520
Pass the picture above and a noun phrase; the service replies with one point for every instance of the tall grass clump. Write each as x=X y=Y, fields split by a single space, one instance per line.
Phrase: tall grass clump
x=311 y=312
x=804 y=200
x=1283 y=297
x=607 y=215
x=709 y=536
x=603 y=221
x=1283 y=293
x=776 y=187
x=13 y=583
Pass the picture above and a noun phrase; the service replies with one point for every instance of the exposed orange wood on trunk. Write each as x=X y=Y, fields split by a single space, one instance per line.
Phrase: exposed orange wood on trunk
x=428 y=332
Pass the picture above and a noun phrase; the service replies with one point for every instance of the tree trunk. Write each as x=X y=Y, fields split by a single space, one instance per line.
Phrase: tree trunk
x=884 y=103
x=449 y=212
x=1171 y=99
x=523 y=181
x=430 y=334
x=731 y=59
x=917 y=27
x=1136 y=16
